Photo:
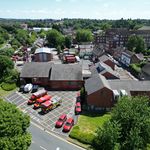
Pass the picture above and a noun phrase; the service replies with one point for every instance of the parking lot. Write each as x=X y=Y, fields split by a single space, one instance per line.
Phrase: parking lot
x=47 y=121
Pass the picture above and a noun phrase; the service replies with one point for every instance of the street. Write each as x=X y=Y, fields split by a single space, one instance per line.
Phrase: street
x=41 y=140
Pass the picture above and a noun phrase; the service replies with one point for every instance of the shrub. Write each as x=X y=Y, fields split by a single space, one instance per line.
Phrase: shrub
x=81 y=136
x=8 y=86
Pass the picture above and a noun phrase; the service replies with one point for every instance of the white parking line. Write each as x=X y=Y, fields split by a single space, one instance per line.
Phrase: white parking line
x=43 y=148
x=12 y=98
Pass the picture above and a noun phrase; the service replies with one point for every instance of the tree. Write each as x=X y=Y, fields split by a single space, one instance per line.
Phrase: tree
x=84 y=36
x=105 y=26
x=68 y=41
x=13 y=128
x=131 y=115
x=136 y=44
x=55 y=38
x=6 y=64
x=7 y=52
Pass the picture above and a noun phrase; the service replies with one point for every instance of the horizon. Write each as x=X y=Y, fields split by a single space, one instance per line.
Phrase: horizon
x=75 y=9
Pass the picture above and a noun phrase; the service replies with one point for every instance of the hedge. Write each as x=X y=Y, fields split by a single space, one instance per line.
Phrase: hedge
x=81 y=136
x=8 y=86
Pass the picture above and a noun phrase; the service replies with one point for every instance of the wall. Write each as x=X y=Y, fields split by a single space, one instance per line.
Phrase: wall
x=42 y=57
x=66 y=85
x=101 y=98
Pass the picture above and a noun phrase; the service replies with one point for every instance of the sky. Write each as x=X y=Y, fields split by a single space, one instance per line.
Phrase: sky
x=57 y=9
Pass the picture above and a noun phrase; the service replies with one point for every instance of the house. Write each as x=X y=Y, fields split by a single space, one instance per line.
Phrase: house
x=137 y=58
x=54 y=76
x=145 y=72
x=99 y=92
x=104 y=70
x=106 y=59
x=103 y=94
x=85 y=50
x=43 y=55
x=126 y=57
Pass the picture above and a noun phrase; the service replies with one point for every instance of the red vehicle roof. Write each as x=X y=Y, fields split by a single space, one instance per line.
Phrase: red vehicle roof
x=47 y=103
x=44 y=98
x=70 y=120
x=78 y=104
x=62 y=116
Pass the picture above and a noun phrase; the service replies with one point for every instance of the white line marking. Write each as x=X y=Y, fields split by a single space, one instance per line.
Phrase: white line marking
x=57 y=148
x=33 y=142
x=43 y=148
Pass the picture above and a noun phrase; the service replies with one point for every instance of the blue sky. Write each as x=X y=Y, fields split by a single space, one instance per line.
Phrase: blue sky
x=57 y=9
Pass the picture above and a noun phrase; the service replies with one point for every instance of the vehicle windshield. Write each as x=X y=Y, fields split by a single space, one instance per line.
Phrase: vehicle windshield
x=68 y=124
x=78 y=107
x=60 y=119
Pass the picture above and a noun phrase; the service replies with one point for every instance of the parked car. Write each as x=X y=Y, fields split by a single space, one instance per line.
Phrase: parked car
x=28 y=88
x=21 y=89
x=35 y=88
x=78 y=108
x=68 y=125
x=61 y=121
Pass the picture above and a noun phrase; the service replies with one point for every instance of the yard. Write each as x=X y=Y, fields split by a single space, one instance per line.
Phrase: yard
x=87 y=124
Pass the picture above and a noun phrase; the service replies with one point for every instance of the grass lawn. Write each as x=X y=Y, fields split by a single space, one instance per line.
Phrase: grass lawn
x=84 y=130
x=4 y=93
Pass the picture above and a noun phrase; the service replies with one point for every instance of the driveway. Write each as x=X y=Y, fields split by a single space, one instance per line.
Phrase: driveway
x=48 y=120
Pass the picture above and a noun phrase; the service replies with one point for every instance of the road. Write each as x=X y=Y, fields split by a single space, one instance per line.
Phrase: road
x=42 y=140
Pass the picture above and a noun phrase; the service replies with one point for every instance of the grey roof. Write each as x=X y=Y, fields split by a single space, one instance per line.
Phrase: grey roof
x=36 y=69
x=127 y=52
x=105 y=57
x=103 y=69
x=129 y=85
x=43 y=50
x=140 y=56
x=66 y=72
x=95 y=83
x=146 y=69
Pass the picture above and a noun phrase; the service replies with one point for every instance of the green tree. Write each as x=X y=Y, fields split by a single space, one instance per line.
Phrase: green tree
x=136 y=44
x=105 y=26
x=6 y=65
x=7 y=52
x=107 y=137
x=13 y=128
x=55 y=38
x=84 y=36
x=68 y=41
x=131 y=115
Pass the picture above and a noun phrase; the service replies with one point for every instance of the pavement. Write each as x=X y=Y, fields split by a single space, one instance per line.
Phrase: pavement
x=48 y=120
x=42 y=140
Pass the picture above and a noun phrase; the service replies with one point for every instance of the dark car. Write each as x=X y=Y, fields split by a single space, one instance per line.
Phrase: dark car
x=35 y=88
x=21 y=89
x=61 y=121
x=68 y=125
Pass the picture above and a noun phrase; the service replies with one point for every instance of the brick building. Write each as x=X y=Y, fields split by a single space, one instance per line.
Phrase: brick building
x=103 y=94
x=54 y=76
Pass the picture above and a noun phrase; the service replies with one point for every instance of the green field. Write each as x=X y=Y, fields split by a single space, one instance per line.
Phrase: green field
x=84 y=130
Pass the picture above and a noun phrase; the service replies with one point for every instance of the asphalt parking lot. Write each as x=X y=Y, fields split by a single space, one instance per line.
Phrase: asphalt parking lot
x=48 y=120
